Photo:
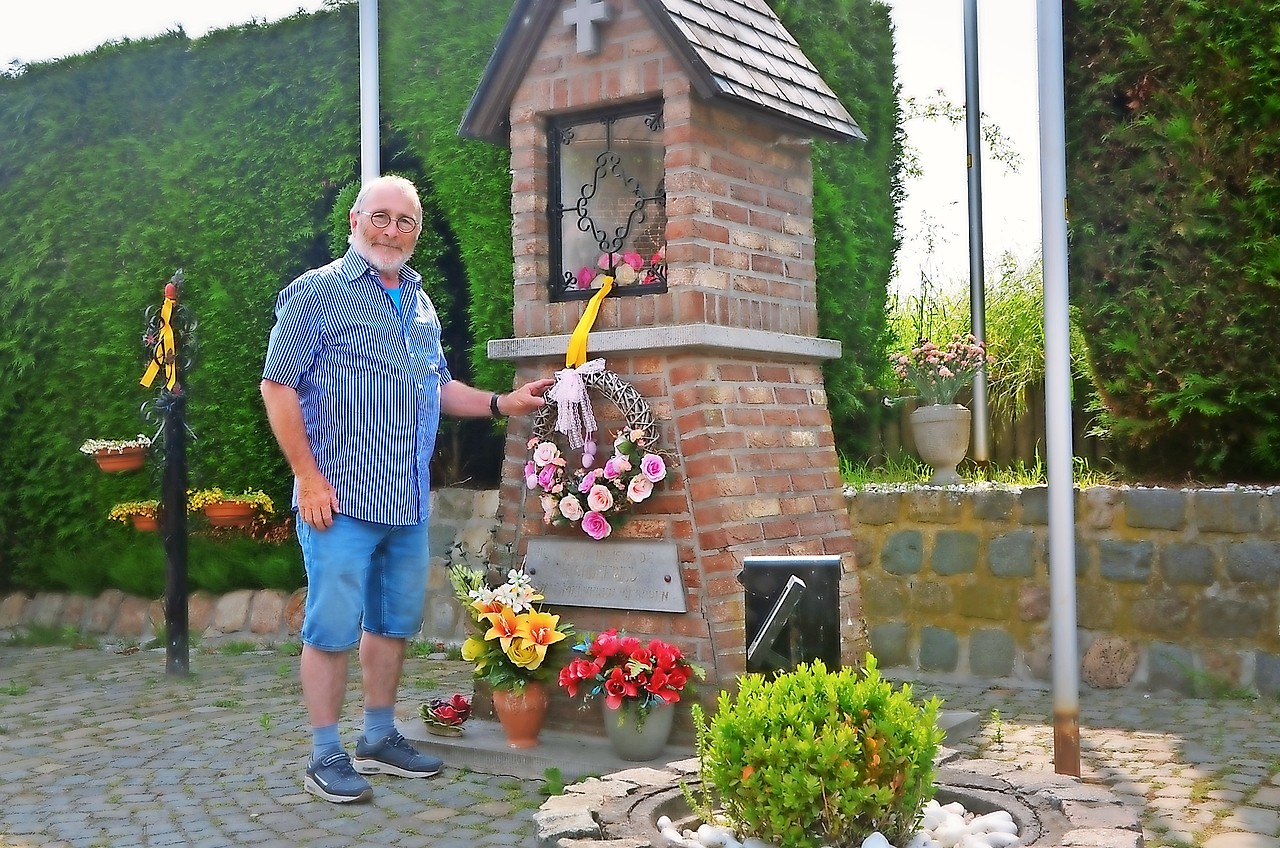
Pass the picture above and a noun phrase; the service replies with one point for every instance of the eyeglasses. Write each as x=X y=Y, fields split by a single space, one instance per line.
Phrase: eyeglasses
x=404 y=223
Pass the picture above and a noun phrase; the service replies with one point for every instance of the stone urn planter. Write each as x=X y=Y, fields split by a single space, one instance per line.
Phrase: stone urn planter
x=635 y=740
x=941 y=433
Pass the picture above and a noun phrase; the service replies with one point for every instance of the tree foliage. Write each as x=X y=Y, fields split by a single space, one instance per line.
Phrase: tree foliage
x=1174 y=177
x=857 y=195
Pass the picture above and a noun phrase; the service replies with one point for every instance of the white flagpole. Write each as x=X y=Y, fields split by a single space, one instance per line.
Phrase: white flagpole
x=1057 y=368
x=370 y=167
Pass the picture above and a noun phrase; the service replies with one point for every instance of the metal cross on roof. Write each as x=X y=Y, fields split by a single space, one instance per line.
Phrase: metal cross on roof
x=584 y=15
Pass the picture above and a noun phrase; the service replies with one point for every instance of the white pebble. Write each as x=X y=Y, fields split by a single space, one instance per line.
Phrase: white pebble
x=1002 y=840
x=716 y=836
x=668 y=830
x=933 y=816
x=949 y=833
x=876 y=840
x=955 y=808
x=755 y=842
x=998 y=822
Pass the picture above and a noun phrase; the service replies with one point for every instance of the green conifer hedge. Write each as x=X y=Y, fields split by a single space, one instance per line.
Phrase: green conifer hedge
x=233 y=157
x=1174 y=183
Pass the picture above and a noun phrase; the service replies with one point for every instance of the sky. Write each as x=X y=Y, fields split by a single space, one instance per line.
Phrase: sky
x=929 y=39
x=930 y=47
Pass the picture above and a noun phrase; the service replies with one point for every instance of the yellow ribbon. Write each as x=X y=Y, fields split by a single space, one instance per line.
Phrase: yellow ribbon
x=577 y=354
x=166 y=353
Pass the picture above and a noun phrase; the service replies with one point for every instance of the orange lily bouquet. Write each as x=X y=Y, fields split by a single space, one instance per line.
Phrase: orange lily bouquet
x=514 y=642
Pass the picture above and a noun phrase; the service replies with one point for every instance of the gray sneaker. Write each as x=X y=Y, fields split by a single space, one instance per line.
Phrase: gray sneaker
x=394 y=755
x=334 y=780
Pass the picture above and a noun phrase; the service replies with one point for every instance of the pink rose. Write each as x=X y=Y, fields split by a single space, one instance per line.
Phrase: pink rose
x=653 y=468
x=548 y=508
x=545 y=453
x=585 y=275
x=570 y=508
x=588 y=480
x=616 y=467
x=547 y=477
x=599 y=499
x=595 y=525
x=635 y=260
x=639 y=488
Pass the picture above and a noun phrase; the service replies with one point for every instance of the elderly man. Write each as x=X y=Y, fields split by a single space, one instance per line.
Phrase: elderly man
x=354 y=384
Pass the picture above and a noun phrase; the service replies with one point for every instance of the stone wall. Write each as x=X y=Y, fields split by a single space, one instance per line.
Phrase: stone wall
x=1176 y=589
x=459 y=517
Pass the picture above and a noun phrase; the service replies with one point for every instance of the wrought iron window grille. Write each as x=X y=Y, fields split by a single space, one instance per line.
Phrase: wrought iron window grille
x=608 y=202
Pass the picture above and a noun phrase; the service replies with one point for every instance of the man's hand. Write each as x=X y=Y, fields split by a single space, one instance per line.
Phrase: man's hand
x=317 y=501
x=526 y=399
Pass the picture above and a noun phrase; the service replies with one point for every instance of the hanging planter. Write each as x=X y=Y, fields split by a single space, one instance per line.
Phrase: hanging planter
x=146 y=523
x=143 y=515
x=225 y=510
x=116 y=455
x=230 y=514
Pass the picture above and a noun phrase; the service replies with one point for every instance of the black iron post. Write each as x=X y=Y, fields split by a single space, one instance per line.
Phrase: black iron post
x=174 y=499
x=170 y=338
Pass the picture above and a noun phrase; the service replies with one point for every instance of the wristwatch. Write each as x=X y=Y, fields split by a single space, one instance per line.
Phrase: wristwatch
x=493 y=405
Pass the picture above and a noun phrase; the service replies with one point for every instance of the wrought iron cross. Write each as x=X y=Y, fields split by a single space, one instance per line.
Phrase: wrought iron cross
x=584 y=15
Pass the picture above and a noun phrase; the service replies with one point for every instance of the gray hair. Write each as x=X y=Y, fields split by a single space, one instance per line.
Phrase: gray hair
x=400 y=183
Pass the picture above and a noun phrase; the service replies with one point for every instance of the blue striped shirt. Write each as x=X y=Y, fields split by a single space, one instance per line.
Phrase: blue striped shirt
x=369 y=383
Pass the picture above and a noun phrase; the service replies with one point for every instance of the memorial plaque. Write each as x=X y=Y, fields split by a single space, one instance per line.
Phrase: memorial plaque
x=629 y=575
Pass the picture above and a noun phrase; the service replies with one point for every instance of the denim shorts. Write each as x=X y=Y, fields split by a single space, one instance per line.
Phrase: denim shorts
x=362 y=575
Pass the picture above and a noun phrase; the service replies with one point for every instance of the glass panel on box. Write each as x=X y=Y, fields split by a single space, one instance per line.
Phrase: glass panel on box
x=608 y=215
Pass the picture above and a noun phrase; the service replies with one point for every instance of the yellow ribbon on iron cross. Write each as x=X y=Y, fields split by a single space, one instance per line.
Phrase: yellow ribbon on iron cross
x=577 y=353
x=166 y=351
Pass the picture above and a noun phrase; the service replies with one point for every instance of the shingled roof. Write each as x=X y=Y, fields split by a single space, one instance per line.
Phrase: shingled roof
x=735 y=50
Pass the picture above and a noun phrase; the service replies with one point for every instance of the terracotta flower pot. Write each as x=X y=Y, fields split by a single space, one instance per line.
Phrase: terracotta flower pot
x=522 y=713
x=125 y=459
x=145 y=523
x=229 y=514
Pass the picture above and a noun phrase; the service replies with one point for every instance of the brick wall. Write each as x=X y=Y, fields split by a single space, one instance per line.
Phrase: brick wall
x=755 y=468
x=1175 y=589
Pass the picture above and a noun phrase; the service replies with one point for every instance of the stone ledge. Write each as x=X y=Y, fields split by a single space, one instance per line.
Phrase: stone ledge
x=684 y=336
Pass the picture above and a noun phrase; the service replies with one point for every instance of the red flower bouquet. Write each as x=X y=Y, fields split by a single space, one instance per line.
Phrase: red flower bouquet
x=629 y=673
x=445 y=716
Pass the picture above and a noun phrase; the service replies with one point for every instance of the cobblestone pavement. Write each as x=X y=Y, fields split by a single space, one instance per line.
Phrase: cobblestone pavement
x=1203 y=772
x=102 y=749
x=99 y=748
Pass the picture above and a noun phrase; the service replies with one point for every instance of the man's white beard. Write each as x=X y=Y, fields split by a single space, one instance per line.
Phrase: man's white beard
x=375 y=255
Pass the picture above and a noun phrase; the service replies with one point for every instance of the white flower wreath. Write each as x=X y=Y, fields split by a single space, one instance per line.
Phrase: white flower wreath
x=596 y=497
